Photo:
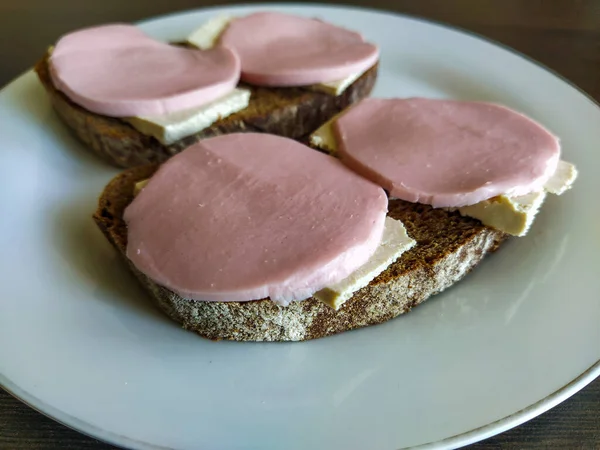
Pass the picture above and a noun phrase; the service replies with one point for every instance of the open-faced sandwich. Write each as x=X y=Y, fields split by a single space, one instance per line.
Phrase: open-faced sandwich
x=483 y=160
x=134 y=100
x=257 y=237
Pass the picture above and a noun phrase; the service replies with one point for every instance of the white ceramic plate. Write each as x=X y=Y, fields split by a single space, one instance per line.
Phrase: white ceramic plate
x=80 y=341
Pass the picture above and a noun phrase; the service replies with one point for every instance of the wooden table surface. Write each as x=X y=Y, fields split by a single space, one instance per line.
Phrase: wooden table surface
x=562 y=34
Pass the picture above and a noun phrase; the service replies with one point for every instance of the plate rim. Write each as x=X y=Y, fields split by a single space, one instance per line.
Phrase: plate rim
x=459 y=440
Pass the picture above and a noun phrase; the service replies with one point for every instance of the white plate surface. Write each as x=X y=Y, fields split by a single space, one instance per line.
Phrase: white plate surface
x=80 y=342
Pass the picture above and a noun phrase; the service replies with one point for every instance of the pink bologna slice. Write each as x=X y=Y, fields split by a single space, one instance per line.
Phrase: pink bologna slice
x=247 y=216
x=446 y=153
x=118 y=71
x=284 y=50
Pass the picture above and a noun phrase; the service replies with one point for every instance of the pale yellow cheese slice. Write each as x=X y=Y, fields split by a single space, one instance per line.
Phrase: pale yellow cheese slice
x=337 y=88
x=562 y=180
x=139 y=186
x=393 y=244
x=512 y=215
x=207 y=35
x=170 y=128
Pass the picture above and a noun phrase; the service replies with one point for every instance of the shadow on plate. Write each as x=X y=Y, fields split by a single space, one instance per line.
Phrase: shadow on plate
x=89 y=257
x=33 y=105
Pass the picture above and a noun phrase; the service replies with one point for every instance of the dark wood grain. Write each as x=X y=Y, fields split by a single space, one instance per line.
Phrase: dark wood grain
x=562 y=34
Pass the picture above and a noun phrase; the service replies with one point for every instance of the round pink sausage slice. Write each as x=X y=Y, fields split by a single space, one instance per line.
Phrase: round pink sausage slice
x=118 y=71
x=246 y=216
x=284 y=50
x=446 y=153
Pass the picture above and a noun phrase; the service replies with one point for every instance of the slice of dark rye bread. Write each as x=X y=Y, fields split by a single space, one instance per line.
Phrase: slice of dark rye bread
x=289 y=112
x=448 y=247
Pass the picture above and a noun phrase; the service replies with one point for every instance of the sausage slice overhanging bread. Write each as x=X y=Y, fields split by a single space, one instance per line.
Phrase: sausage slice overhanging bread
x=482 y=160
x=291 y=102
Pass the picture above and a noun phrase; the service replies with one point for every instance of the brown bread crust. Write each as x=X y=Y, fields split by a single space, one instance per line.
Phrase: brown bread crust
x=448 y=247
x=289 y=112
